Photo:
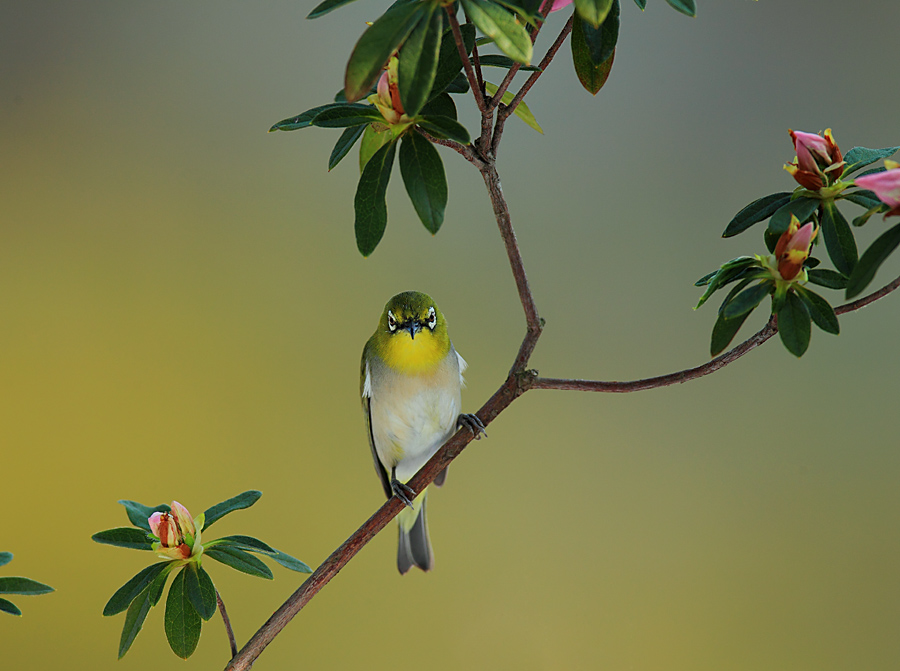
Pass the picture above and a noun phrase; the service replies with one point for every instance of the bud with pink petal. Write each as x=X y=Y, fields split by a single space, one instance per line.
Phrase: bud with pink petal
x=387 y=95
x=819 y=161
x=178 y=533
x=793 y=248
x=885 y=185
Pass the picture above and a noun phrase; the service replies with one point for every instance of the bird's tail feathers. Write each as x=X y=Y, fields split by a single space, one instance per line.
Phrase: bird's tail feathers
x=414 y=548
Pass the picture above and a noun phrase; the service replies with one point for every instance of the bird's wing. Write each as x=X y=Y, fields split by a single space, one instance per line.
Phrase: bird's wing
x=366 y=390
x=462 y=368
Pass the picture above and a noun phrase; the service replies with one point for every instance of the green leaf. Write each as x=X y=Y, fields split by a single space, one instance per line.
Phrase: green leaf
x=863 y=198
x=827 y=278
x=872 y=258
x=757 y=211
x=200 y=590
x=351 y=114
x=494 y=21
x=418 y=61
x=601 y=42
x=794 y=324
x=377 y=44
x=460 y=84
x=592 y=77
x=323 y=8
x=5 y=558
x=18 y=585
x=9 y=607
x=441 y=105
x=865 y=216
x=239 y=502
x=801 y=207
x=522 y=111
x=373 y=139
x=159 y=584
x=291 y=563
x=820 y=310
x=182 y=620
x=255 y=545
x=729 y=272
x=747 y=301
x=838 y=238
x=500 y=61
x=449 y=63
x=724 y=331
x=423 y=176
x=641 y=4
x=139 y=514
x=369 y=204
x=860 y=157
x=132 y=589
x=688 y=7
x=240 y=560
x=302 y=120
x=345 y=142
x=134 y=620
x=124 y=537
x=444 y=127
x=593 y=11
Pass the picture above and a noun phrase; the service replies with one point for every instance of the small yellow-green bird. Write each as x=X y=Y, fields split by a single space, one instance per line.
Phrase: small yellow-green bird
x=410 y=381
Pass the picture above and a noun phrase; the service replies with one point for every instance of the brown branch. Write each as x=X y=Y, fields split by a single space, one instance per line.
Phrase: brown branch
x=228 y=629
x=467 y=64
x=463 y=150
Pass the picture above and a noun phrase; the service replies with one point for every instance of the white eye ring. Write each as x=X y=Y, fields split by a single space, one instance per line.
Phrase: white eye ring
x=392 y=323
x=432 y=318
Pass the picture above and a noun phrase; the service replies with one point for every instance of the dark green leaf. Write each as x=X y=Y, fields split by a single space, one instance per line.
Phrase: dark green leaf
x=345 y=142
x=323 y=8
x=499 y=61
x=601 y=42
x=865 y=216
x=418 y=61
x=255 y=545
x=801 y=207
x=827 y=278
x=134 y=620
x=688 y=7
x=182 y=620
x=449 y=62
x=729 y=272
x=159 y=583
x=377 y=44
x=495 y=21
x=746 y=301
x=18 y=585
x=794 y=324
x=302 y=120
x=860 y=157
x=239 y=502
x=820 y=310
x=724 y=331
x=139 y=514
x=124 y=537
x=592 y=77
x=351 y=114
x=758 y=210
x=703 y=281
x=641 y=3
x=9 y=607
x=131 y=589
x=369 y=204
x=593 y=12
x=839 y=239
x=423 y=176
x=440 y=105
x=290 y=562
x=863 y=198
x=871 y=259
x=239 y=560
x=444 y=127
x=460 y=84
x=200 y=590
x=5 y=558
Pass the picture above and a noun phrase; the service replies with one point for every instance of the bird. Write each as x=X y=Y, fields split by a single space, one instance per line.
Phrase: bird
x=410 y=383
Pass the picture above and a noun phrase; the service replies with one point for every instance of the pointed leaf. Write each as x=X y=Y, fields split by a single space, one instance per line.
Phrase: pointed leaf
x=592 y=77
x=865 y=216
x=291 y=563
x=593 y=12
x=18 y=585
x=418 y=61
x=139 y=514
x=240 y=560
x=827 y=278
x=864 y=198
x=724 y=331
x=182 y=620
x=200 y=590
x=5 y=558
x=860 y=157
x=499 y=61
x=441 y=105
x=871 y=260
x=449 y=63
x=345 y=142
x=302 y=120
x=159 y=583
x=757 y=211
x=323 y=8
x=820 y=310
x=522 y=111
x=688 y=7
x=376 y=45
x=9 y=607
x=839 y=239
x=134 y=620
x=255 y=545
x=495 y=21
x=794 y=324
x=124 y=537
x=601 y=42
x=444 y=127
x=746 y=301
x=729 y=272
x=131 y=589
x=642 y=4
x=801 y=207
x=369 y=204
x=423 y=176
x=239 y=502
x=343 y=116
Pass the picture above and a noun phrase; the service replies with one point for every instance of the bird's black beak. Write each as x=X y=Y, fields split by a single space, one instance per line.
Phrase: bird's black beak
x=414 y=327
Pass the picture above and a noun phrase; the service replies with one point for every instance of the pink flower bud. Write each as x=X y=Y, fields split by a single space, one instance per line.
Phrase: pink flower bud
x=819 y=160
x=176 y=532
x=559 y=4
x=793 y=248
x=886 y=186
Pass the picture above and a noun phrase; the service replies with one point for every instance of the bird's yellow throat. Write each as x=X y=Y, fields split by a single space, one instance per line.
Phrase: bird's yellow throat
x=418 y=355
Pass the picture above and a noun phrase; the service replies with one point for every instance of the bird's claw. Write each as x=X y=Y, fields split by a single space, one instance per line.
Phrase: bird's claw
x=472 y=423
x=403 y=492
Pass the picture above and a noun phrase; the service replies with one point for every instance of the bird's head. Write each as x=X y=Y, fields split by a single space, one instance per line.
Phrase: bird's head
x=412 y=334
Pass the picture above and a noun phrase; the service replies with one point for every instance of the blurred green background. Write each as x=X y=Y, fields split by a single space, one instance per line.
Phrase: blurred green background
x=182 y=311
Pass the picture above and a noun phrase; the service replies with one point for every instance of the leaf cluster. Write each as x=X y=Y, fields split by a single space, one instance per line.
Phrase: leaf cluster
x=17 y=585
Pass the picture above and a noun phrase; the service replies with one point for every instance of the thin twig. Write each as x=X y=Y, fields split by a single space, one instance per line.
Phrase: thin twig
x=476 y=61
x=467 y=64
x=464 y=150
x=227 y=622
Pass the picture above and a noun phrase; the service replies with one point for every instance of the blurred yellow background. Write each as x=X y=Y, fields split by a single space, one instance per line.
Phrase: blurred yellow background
x=182 y=311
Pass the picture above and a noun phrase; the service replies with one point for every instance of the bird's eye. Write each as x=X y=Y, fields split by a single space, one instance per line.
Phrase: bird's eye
x=392 y=323
x=432 y=318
